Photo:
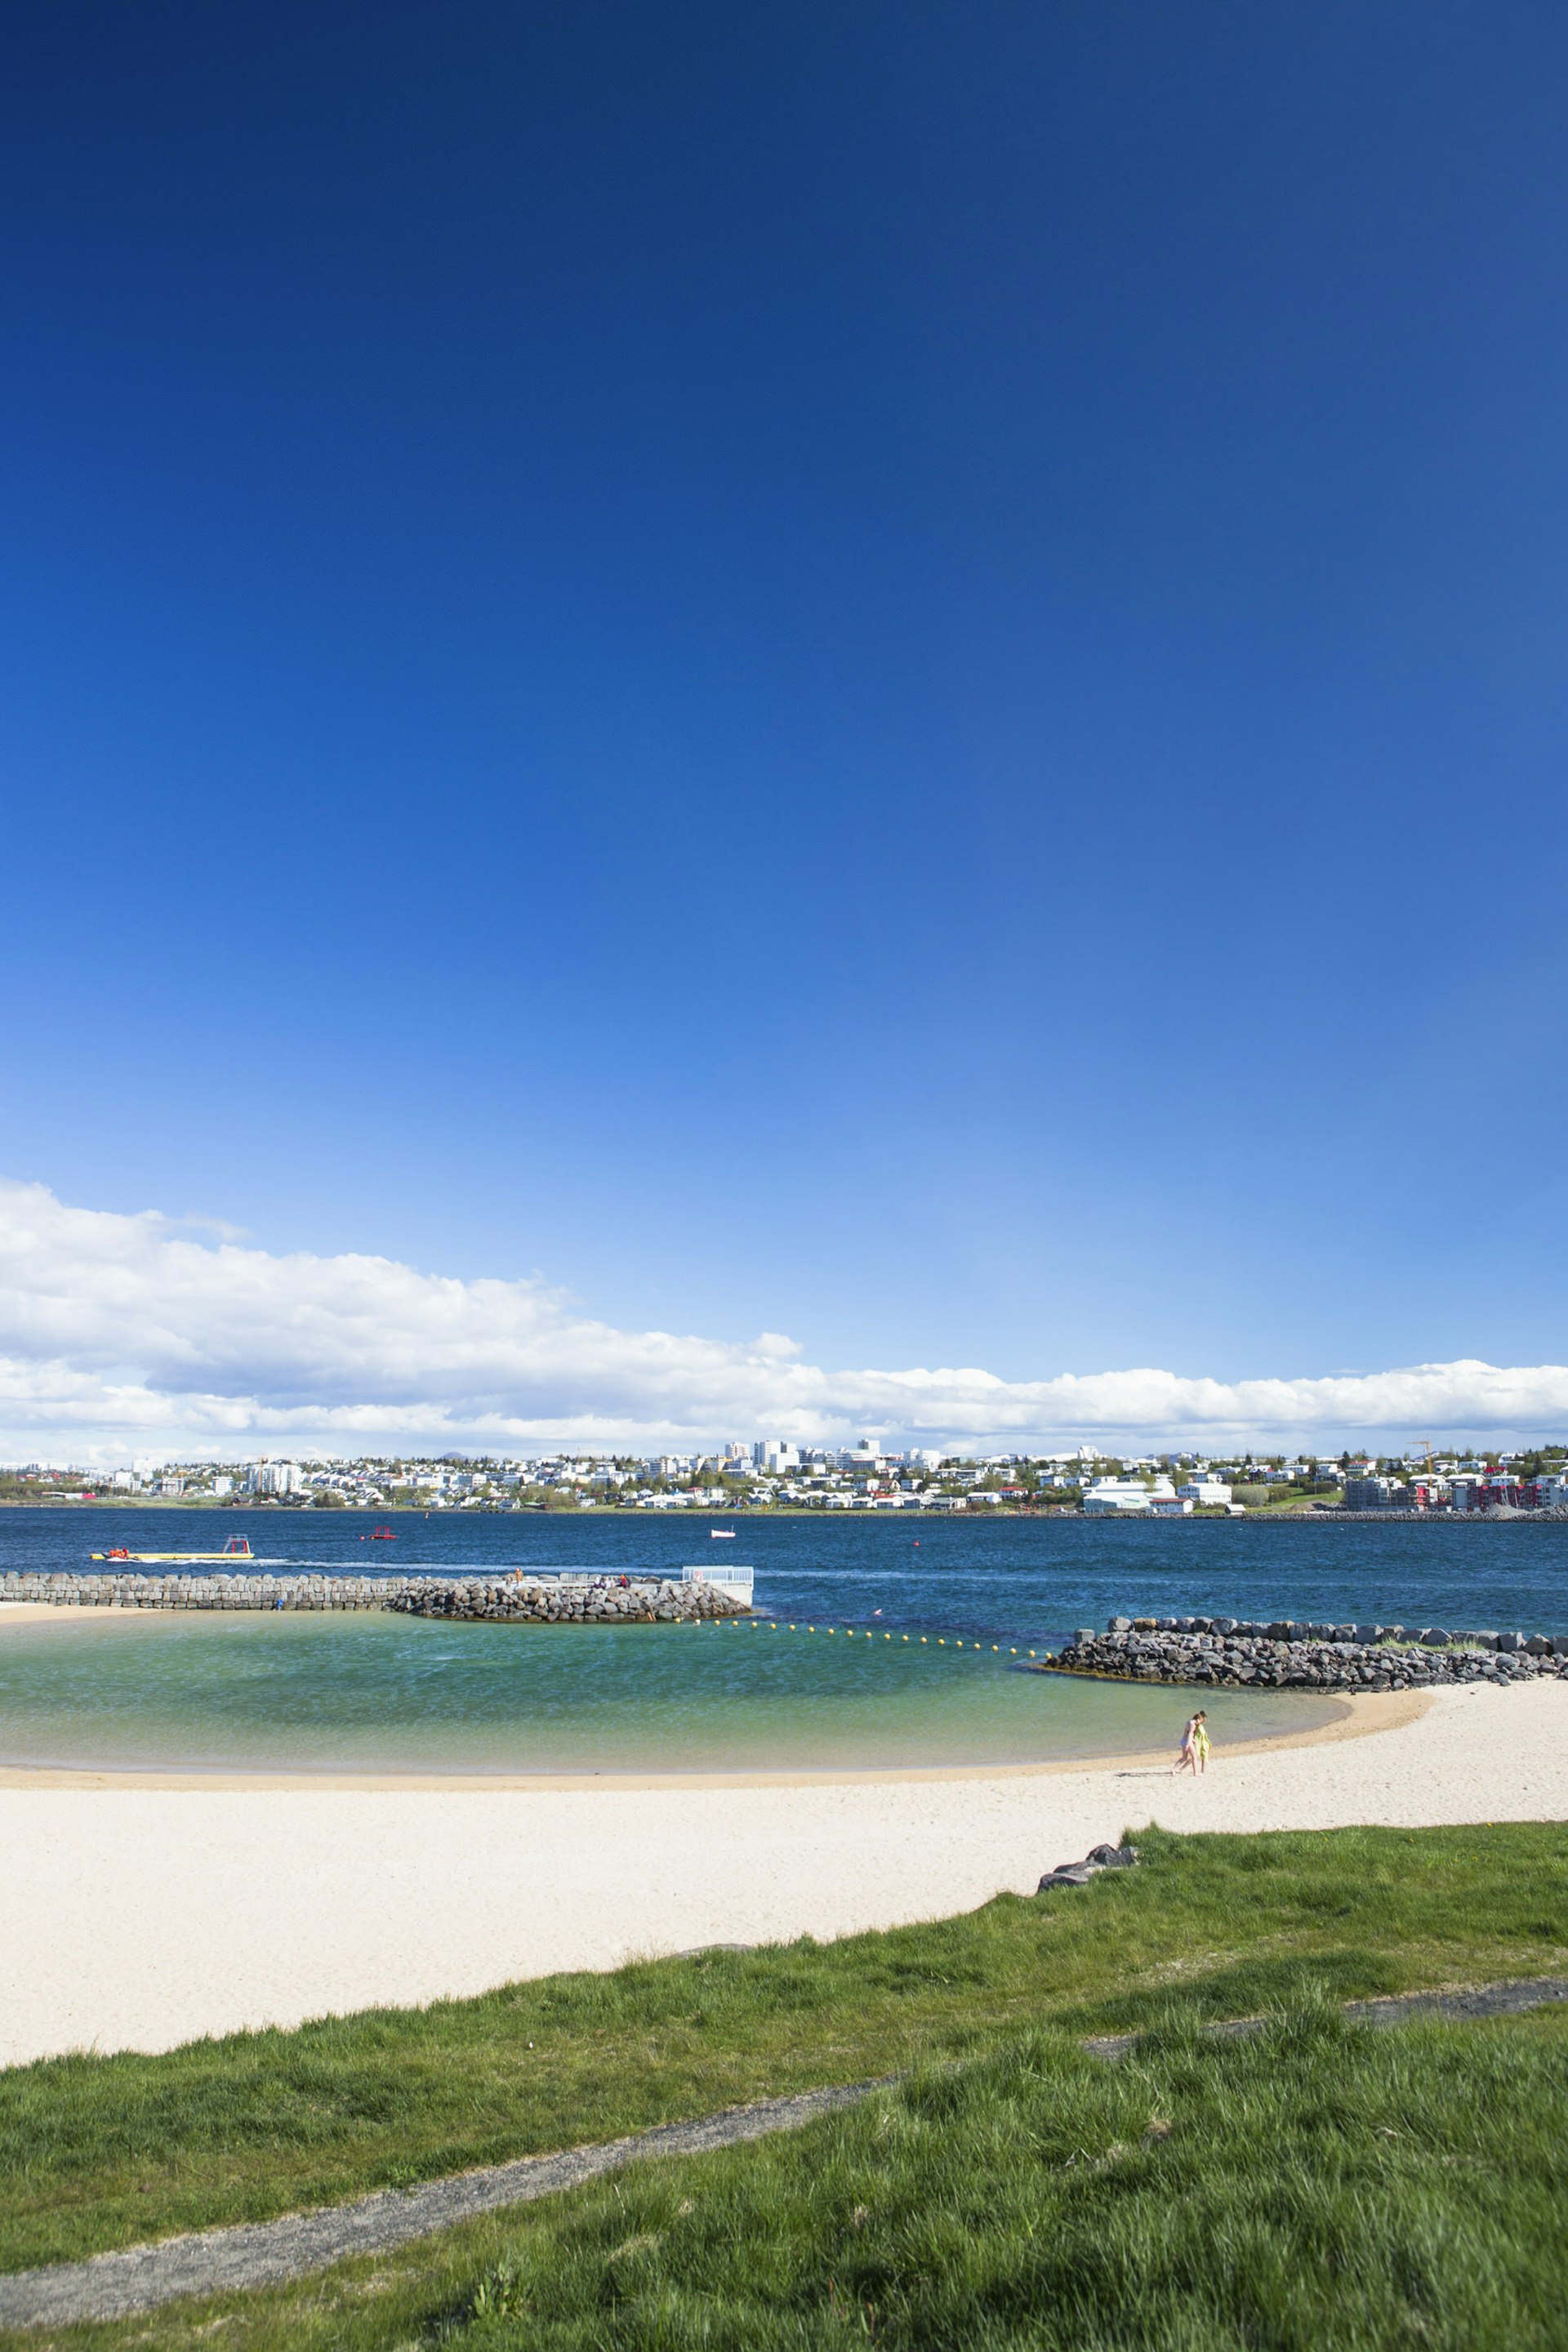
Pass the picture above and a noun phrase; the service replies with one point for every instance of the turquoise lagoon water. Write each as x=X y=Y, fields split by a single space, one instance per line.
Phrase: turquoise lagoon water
x=371 y=1692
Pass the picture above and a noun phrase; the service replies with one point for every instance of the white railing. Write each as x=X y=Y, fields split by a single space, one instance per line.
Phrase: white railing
x=736 y=1581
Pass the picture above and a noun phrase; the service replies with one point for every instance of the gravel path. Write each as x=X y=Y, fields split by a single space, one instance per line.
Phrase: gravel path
x=1511 y=1999
x=261 y=2253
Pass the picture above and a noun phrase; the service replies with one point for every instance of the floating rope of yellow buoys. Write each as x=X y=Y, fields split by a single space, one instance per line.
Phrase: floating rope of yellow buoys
x=782 y=1625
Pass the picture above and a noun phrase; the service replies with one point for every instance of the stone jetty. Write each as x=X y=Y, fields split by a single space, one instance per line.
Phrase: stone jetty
x=567 y=1600
x=538 y=1600
x=1288 y=1656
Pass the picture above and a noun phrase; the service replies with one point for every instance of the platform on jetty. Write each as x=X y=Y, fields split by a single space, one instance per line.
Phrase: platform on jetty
x=566 y=1598
x=1286 y=1655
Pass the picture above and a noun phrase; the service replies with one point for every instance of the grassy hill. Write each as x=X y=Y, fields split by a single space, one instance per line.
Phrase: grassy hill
x=1326 y=2187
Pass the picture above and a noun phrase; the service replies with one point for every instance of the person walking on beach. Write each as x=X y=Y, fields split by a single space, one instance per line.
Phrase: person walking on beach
x=1193 y=1754
x=1186 y=1754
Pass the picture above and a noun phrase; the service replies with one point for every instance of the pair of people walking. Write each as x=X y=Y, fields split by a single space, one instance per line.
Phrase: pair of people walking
x=1193 y=1754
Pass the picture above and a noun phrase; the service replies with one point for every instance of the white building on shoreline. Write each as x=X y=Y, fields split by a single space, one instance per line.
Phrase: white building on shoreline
x=1130 y=1499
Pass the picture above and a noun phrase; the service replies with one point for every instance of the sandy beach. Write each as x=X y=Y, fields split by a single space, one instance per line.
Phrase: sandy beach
x=140 y=1914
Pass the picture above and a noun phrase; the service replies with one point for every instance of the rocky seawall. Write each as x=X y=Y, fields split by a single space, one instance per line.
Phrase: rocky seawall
x=1286 y=1654
x=567 y=1600
x=540 y=1599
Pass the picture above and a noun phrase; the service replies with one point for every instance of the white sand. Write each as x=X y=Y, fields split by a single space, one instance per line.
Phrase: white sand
x=139 y=1916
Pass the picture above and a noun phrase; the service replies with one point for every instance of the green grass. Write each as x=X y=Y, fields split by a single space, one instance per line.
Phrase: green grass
x=1322 y=2188
x=100 y=2152
x=1317 y=2188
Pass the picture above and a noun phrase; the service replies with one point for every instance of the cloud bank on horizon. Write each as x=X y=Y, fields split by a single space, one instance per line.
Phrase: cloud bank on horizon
x=122 y=1334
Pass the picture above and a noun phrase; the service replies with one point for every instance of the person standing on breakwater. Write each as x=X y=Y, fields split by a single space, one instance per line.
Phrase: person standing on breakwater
x=1193 y=1754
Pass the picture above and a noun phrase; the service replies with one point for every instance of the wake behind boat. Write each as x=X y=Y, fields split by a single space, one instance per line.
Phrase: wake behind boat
x=236 y=1547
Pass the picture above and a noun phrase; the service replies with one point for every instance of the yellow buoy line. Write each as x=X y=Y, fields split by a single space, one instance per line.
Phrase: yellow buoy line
x=850 y=1633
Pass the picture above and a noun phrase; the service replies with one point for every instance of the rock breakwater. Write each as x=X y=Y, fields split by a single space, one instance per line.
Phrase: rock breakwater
x=567 y=1600
x=181 y=1590
x=1288 y=1654
x=541 y=1599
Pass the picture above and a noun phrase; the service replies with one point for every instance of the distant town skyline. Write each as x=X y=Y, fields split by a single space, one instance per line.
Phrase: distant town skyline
x=773 y=1476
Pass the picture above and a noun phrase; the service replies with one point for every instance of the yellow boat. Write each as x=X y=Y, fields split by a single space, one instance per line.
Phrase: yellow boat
x=236 y=1549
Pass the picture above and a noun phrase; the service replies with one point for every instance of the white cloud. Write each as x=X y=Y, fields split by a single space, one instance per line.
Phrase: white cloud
x=117 y=1333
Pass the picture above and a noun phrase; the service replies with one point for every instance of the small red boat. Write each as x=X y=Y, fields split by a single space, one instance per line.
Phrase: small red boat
x=384 y=1535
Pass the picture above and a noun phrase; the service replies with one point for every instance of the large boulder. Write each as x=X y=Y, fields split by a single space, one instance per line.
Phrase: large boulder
x=1079 y=1873
x=1112 y=1857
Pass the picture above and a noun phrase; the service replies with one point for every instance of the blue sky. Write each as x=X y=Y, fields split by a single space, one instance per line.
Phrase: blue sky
x=888 y=675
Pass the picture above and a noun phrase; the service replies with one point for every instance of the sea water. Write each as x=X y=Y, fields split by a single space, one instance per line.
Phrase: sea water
x=372 y=1692
x=1033 y=1579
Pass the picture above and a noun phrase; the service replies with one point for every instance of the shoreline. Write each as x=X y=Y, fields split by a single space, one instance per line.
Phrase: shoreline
x=143 y=1918
x=1356 y=1716
x=1328 y=1515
